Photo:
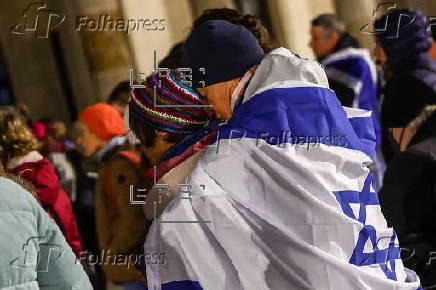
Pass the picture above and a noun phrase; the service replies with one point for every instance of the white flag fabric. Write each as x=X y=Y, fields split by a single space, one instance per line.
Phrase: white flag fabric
x=283 y=199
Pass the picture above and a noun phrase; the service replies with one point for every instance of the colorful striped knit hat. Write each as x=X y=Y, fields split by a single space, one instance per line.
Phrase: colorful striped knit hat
x=167 y=104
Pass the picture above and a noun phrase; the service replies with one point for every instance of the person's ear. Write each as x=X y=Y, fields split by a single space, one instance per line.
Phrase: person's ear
x=335 y=37
x=161 y=134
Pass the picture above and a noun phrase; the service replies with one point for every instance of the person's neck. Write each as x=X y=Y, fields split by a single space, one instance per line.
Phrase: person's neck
x=155 y=153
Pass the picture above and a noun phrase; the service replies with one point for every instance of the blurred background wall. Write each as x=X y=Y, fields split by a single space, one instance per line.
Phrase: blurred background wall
x=59 y=71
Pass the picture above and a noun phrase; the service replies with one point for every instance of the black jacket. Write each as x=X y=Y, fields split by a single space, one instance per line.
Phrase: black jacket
x=408 y=197
x=404 y=98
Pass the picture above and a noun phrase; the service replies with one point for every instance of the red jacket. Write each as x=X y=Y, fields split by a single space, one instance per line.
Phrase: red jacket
x=52 y=197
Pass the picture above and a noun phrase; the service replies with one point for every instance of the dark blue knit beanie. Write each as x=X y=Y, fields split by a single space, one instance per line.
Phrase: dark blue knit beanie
x=225 y=51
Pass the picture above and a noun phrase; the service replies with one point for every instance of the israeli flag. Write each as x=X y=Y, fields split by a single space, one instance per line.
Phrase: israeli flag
x=354 y=68
x=283 y=199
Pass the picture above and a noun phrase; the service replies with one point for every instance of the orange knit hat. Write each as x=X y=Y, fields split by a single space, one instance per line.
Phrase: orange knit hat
x=103 y=120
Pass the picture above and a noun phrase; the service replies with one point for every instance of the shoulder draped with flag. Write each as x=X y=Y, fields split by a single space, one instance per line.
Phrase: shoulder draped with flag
x=353 y=69
x=284 y=198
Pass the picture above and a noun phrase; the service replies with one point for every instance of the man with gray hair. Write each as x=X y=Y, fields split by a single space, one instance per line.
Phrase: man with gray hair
x=328 y=39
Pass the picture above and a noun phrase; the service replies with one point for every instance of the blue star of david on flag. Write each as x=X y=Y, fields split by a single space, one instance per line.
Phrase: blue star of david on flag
x=349 y=198
x=354 y=204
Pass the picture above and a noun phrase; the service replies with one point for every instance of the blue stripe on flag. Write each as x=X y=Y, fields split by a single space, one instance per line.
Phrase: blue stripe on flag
x=282 y=115
x=360 y=69
x=354 y=66
x=363 y=129
x=181 y=285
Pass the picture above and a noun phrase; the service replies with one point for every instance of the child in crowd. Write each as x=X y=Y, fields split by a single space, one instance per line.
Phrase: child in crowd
x=19 y=155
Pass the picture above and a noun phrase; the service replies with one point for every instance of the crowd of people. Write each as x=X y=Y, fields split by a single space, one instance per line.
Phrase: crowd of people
x=193 y=182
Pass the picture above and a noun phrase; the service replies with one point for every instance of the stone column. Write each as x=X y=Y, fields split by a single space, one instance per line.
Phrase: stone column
x=198 y=6
x=355 y=14
x=291 y=22
x=30 y=58
x=176 y=24
x=107 y=49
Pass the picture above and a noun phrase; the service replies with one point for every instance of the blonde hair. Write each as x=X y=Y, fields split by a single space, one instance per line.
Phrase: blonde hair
x=27 y=185
x=16 y=139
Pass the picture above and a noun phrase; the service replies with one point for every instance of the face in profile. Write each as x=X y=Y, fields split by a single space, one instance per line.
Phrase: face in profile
x=379 y=54
x=219 y=97
x=88 y=142
x=57 y=130
x=322 y=42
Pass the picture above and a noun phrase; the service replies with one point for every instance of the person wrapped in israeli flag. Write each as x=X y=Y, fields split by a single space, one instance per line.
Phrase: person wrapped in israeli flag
x=284 y=198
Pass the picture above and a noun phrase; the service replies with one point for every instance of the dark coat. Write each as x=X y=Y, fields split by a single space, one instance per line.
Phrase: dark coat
x=120 y=224
x=408 y=197
x=404 y=98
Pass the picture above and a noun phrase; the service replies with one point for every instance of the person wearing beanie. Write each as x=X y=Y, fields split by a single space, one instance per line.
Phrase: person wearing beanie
x=226 y=64
x=266 y=209
x=163 y=113
x=183 y=126
x=409 y=119
x=99 y=130
x=100 y=133
x=97 y=126
x=412 y=82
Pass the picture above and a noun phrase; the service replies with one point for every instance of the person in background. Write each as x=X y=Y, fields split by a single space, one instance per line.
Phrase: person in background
x=57 y=134
x=39 y=128
x=408 y=196
x=98 y=130
x=351 y=73
x=18 y=152
x=121 y=225
x=184 y=126
x=119 y=97
x=55 y=147
x=410 y=72
x=35 y=254
x=330 y=42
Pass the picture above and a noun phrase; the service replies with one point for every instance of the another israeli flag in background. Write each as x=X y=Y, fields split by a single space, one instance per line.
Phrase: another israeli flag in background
x=354 y=68
x=284 y=199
